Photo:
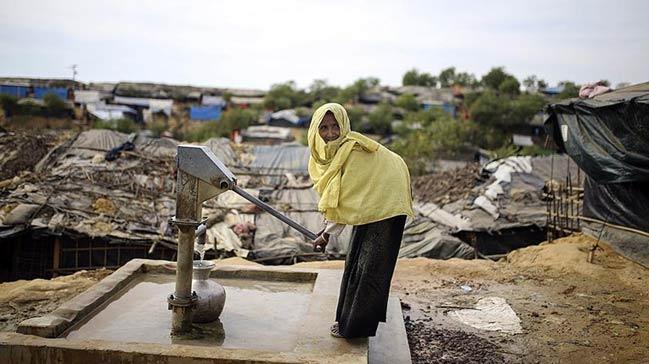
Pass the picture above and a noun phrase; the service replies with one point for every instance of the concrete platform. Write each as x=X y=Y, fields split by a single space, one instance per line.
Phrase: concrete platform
x=43 y=339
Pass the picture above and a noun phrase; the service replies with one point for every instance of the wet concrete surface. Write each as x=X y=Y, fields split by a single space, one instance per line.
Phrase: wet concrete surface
x=264 y=315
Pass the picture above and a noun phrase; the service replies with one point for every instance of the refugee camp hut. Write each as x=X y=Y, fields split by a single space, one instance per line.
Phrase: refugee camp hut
x=85 y=212
x=108 y=112
x=502 y=210
x=146 y=107
x=608 y=137
x=15 y=89
x=244 y=98
x=263 y=134
x=83 y=98
x=245 y=102
x=287 y=118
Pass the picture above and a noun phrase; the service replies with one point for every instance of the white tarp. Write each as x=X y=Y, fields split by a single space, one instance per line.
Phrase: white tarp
x=87 y=96
x=289 y=115
x=502 y=170
x=457 y=222
x=491 y=314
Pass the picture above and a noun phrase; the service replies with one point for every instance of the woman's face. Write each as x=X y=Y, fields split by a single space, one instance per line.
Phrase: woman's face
x=329 y=129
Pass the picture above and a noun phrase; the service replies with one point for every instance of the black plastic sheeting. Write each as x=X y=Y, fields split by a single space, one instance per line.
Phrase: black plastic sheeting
x=625 y=204
x=608 y=138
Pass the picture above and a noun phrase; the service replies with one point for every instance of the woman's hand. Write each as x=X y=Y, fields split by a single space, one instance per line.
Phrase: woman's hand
x=320 y=243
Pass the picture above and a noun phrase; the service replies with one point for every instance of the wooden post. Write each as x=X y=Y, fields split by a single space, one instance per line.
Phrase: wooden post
x=56 y=257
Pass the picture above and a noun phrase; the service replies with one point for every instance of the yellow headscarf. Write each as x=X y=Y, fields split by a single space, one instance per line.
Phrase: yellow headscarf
x=359 y=181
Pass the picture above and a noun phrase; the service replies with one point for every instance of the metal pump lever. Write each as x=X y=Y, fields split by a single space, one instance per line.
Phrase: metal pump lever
x=200 y=162
x=266 y=207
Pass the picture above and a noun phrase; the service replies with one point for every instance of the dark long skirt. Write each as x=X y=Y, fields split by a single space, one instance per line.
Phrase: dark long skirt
x=365 y=286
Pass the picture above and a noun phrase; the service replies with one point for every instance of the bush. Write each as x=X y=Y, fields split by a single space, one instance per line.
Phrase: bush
x=231 y=119
x=357 y=116
x=54 y=105
x=9 y=104
x=381 y=119
x=408 y=102
x=284 y=96
x=123 y=125
x=157 y=128
x=445 y=137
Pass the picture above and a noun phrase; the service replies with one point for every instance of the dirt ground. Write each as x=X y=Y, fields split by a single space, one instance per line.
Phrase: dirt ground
x=571 y=311
x=22 y=299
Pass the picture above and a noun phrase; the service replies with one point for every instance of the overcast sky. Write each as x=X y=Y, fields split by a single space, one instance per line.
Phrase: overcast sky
x=255 y=44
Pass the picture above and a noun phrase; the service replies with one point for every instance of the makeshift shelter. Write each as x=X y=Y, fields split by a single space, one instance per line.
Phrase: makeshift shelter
x=60 y=92
x=608 y=137
x=15 y=90
x=205 y=113
x=287 y=118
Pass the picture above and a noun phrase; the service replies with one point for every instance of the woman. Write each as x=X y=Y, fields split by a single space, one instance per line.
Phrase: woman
x=360 y=183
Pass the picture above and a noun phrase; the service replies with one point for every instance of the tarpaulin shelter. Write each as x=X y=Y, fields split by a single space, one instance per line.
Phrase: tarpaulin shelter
x=60 y=92
x=608 y=137
x=211 y=112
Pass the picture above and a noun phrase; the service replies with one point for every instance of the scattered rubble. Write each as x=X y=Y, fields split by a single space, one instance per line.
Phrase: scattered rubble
x=447 y=186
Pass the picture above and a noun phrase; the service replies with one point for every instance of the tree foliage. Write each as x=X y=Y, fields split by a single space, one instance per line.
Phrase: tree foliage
x=381 y=119
x=407 y=102
x=510 y=86
x=494 y=78
x=449 y=77
x=442 y=138
x=320 y=90
x=570 y=90
x=284 y=96
x=504 y=113
x=54 y=105
x=414 y=78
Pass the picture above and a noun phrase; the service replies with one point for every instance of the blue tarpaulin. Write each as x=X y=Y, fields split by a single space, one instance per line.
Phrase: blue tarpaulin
x=40 y=92
x=212 y=112
x=449 y=108
x=16 y=91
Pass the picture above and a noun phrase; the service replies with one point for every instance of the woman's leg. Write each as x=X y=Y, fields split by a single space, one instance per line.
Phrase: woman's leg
x=365 y=286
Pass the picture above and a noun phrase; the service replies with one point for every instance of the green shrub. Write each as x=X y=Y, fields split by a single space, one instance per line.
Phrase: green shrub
x=123 y=125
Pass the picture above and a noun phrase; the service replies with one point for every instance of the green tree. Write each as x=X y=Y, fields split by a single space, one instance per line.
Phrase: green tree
x=447 y=77
x=381 y=119
x=495 y=77
x=524 y=107
x=9 y=104
x=443 y=138
x=284 y=96
x=410 y=78
x=426 y=79
x=235 y=118
x=408 y=102
x=353 y=92
x=414 y=78
x=530 y=83
x=356 y=117
x=466 y=79
x=570 y=90
x=510 y=86
x=320 y=90
x=541 y=84
x=54 y=105
x=491 y=109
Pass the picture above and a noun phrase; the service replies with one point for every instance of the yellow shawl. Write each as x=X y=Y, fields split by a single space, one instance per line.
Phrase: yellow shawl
x=359 y=180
